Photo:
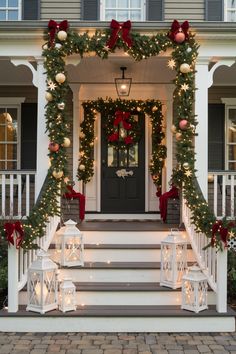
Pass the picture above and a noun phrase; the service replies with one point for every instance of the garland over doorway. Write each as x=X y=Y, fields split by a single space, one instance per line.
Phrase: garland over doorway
x=114 y=112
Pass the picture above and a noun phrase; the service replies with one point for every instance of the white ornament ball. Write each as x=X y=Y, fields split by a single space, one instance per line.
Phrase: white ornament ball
x=173 y=129
x=188 y=50
x=57 y=174
x=81 y=167
x=186 y=165
x=58 y=45
x=62 y=35
x=48 y=96
x=60 y=78
x=61 y=106
x=45 y=46
x=185 y=68
x=66 y=142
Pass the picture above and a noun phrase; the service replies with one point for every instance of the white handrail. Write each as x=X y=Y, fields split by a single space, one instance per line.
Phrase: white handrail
x=213 y=264
x=17 y=193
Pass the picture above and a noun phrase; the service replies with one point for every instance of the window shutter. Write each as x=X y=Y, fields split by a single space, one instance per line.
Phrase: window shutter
x=90 y=10
x=30 y=9
x=214 y=10
x=28 y=135
x=154 y=10
x=216 y=139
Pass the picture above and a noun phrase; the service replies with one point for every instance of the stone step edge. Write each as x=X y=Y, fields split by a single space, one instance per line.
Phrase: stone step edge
x=120 y=246
x=122 y=311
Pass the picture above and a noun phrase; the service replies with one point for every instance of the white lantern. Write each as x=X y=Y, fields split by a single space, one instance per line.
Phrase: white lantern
x=67 y=297
x=194 y=290
x=173 y=260
x=71 y=244
x=42 y=284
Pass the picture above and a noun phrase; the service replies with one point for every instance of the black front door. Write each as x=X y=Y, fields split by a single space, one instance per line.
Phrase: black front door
x=123 y=175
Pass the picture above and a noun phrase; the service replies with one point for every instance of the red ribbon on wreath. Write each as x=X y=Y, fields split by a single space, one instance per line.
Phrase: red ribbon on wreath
x=177 y=27
x=113 y=137
x=117 y=27
x=19 y=231
x=122 y=117
x=54 y=27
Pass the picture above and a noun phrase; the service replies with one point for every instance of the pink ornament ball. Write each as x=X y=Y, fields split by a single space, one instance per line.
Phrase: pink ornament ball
x=183 y=124
x=179 y=37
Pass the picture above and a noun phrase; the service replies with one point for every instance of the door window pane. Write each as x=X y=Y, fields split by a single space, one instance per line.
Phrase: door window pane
x=123 y=158
x=8 y=137
x=112 y=157
x=232 y=166
x=133 y=156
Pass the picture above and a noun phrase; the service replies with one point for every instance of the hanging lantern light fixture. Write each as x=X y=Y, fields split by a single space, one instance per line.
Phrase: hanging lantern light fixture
x=123 y=84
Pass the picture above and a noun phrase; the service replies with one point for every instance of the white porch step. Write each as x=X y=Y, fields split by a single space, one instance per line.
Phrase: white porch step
x=119 y=319
x=127 y=294
x=121 y=253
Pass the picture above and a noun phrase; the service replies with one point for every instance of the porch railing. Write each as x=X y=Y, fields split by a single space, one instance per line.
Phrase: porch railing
x=17 y=193
x=213 y=264
x=222 y=193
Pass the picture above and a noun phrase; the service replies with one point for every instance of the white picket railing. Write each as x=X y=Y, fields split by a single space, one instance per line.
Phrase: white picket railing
x=20 y=261
x=213 y=264
x=17 y=194
x=222 y=193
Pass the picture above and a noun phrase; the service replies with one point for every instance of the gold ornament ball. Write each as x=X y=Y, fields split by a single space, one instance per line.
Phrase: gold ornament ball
x=138 y=109
x=154 y=109
x=48 y=96
x=57 y=174
x=184 y=68
x=81 y=167
x=173 y=129
x=210 y=178
x=60 y=78
x=178 y=136
x=66 y=142
x=62 y=35
x=81 y=135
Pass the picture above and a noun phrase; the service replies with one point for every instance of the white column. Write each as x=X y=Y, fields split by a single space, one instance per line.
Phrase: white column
x=169 y=135
x=221 y=295
x=42 y=138
x=201 y=110
x=12 y=279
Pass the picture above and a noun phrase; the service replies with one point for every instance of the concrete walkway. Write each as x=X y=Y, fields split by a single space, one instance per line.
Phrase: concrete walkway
x=117 y=343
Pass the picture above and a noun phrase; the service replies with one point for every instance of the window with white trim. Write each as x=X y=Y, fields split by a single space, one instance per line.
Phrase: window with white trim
x=230 y=10
x=123 y=10
x=10 y=127
x=230 y=138
x=10 y=10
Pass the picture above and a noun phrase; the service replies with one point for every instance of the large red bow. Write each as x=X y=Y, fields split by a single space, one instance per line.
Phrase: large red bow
x=223 y=231
x=18 y=229
x=122 y=117
x=116 y=28
x=53 y=27
x=177 y=27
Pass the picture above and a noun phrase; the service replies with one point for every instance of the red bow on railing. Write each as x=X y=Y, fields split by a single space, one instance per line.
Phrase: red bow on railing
x=177 y=27
x=18 y=229
x=53 y=27
x=223 y=231
x=122 y=117
x=116 y=28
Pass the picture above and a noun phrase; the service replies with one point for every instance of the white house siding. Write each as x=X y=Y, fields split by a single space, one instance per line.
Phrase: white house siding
x=60 y=10
x=184 y=10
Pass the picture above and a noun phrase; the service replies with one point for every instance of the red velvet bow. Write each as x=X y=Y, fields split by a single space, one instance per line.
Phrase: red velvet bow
x=116 y=28
x=223 y=231
x=53 y=27
x=75 y=195
x=177 y=27
x=122 y=117
x=113 y=137
x=18 y=229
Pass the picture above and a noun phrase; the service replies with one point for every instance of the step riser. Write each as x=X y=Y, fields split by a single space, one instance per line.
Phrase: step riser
x=126 y=298
x=125 y=237
x=124 y=255
x=117 y=324
x=111 y=275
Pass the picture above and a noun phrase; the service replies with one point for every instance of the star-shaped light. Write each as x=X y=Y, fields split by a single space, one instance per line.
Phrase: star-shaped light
x=231 y=234
x=51 y=85
x=185 y=87
x=188 y=173
x=171 y=64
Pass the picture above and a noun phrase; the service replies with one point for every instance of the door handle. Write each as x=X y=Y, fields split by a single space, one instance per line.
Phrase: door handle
x=124 y=173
